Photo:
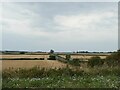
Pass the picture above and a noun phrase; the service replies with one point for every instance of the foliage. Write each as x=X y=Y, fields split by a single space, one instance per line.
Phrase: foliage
x=75 y=62
x=68 y=57
x=52 y=57
x=37 y=72
x=113 y=59
x=95 y=61
x=22 y=52
x=99 y=81
x=51 y=51
x=99 y=77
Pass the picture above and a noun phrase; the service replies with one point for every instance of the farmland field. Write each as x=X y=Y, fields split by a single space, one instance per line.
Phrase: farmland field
x=24 y=56
x=41 y=63
x=47 y=55
x=56 y=74
x=31 y=63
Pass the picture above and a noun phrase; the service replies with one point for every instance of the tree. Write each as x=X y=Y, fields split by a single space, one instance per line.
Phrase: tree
x=52 y=55
x=51 y=51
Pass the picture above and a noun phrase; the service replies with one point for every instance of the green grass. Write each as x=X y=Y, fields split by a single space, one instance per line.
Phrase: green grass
x=97 y=81
x=98 y=77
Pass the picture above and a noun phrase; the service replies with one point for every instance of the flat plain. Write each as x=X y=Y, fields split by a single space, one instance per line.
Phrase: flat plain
x=40 y=63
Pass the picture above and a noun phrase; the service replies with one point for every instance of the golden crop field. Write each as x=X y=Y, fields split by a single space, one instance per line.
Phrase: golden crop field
x=25 y=56
x=41 y=63
x=6 y=64
x=85 y=57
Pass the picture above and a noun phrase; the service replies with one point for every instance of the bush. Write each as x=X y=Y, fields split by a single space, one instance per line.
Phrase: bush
x=68 y=57
x=22 y=52
x=95 y=61
x=75 y=62
x=52 y=57
x=113 y=59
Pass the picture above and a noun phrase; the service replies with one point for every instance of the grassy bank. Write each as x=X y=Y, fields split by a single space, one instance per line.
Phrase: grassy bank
x=98 y=77
x=110 y=81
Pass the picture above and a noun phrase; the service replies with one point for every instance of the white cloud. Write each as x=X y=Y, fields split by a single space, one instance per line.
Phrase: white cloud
x=82 y=21
x=87 y=27
x=19 y=20
x=70 y=29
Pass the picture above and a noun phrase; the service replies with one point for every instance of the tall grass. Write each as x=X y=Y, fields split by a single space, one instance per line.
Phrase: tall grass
x=38 y=72
x=103 y=77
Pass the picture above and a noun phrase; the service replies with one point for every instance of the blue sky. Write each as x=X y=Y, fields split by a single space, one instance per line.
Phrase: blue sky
x=60 y=26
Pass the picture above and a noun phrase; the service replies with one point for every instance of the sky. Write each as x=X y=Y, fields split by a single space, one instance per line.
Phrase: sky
x=61 y=26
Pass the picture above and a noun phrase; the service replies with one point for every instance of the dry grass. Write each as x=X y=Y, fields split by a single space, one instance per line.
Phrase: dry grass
x=25 y=56
x=31 y=63
x=86 y=57
x=47 y=56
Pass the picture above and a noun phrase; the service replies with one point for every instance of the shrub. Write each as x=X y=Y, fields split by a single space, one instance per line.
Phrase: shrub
x=75 y=62
x=113 y=59
x=68 y=57
x=22 y=52
x=95 y=61
x=52 y=57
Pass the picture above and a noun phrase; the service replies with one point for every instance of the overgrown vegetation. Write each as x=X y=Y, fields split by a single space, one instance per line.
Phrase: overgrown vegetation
x=99 y=74
x=74 y=62
x=36 y=77
x=113 y=59
x=52 y=57
x=68 y=57
x=108 y=81
x=95 y=61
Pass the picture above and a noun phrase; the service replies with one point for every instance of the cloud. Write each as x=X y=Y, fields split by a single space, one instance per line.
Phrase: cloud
x=20 y=20
x=55 y=28
x=22 y=27
x=82 y=21
x=87 y=27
